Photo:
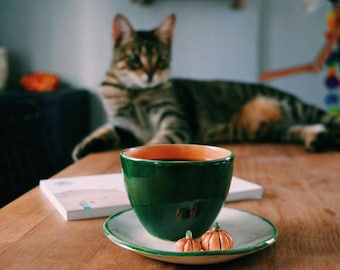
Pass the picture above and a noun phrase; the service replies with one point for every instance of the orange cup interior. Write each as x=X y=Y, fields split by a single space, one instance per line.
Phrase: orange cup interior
x=190 y=152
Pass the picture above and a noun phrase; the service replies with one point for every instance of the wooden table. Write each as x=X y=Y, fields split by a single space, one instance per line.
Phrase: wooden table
x=301 y=197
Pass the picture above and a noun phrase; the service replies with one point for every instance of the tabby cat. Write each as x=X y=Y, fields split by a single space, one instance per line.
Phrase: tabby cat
x=144 y=106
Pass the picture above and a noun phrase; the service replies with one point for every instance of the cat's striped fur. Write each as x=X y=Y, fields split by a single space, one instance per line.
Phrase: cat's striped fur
x=145 y=107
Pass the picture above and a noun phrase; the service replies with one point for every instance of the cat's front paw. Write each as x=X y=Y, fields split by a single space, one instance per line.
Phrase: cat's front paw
x=102 y=139
x=89 y=146
x=332 y=124
x=318 y=141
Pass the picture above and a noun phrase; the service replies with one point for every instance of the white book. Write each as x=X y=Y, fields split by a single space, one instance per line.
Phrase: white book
x=241 y=189
x=102 y=195
x=85 y=197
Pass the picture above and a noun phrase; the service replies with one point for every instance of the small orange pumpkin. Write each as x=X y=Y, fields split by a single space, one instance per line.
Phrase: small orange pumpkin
x=187 y=243
x=216 y=239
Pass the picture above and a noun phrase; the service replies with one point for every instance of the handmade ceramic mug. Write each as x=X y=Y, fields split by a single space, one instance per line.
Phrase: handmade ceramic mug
x=176 y=187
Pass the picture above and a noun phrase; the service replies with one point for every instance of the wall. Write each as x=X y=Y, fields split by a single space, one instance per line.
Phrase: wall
x=295 y=41
x=73 y=39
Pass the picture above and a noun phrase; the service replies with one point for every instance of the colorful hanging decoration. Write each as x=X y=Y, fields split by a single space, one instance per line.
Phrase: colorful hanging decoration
x=332 y=80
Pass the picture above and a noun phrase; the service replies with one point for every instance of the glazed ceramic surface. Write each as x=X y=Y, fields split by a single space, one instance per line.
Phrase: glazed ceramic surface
x=176 y=187
x=250 y=232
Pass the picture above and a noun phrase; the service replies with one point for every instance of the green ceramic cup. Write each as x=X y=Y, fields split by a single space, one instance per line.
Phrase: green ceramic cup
x=176 y=187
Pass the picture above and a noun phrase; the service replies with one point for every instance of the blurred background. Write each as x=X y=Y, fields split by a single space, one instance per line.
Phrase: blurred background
x=72 y=38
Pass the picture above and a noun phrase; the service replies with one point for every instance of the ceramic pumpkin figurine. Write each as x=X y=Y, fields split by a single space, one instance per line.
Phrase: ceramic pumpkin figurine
x=187 y=243
x=216 y=239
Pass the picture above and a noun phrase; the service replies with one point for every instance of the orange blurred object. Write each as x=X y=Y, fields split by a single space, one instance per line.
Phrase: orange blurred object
x=331 y=20
x=40 y=82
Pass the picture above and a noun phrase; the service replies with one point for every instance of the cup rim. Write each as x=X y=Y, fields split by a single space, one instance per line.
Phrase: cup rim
x=179 y=153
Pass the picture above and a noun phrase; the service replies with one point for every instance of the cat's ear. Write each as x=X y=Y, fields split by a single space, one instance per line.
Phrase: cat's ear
x=166 y=29
x=122 y=30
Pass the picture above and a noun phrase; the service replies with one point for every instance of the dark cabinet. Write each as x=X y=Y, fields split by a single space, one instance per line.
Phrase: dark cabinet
x=37 y=134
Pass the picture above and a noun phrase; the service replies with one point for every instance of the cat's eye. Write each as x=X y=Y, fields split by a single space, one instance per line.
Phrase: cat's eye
x=163 y=61
x=134 y=61
x=163 y=57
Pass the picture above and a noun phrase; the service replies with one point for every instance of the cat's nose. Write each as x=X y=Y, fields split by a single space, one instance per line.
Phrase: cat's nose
x=149 y=76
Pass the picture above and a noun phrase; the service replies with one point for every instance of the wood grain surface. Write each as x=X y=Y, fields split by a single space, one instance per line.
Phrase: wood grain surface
x=301 y=197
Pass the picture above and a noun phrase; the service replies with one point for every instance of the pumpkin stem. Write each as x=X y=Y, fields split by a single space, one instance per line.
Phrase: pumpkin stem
x=188 y=234
x=216 y=226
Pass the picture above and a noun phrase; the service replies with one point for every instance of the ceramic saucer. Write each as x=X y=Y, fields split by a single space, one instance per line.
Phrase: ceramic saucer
x=251 y=233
